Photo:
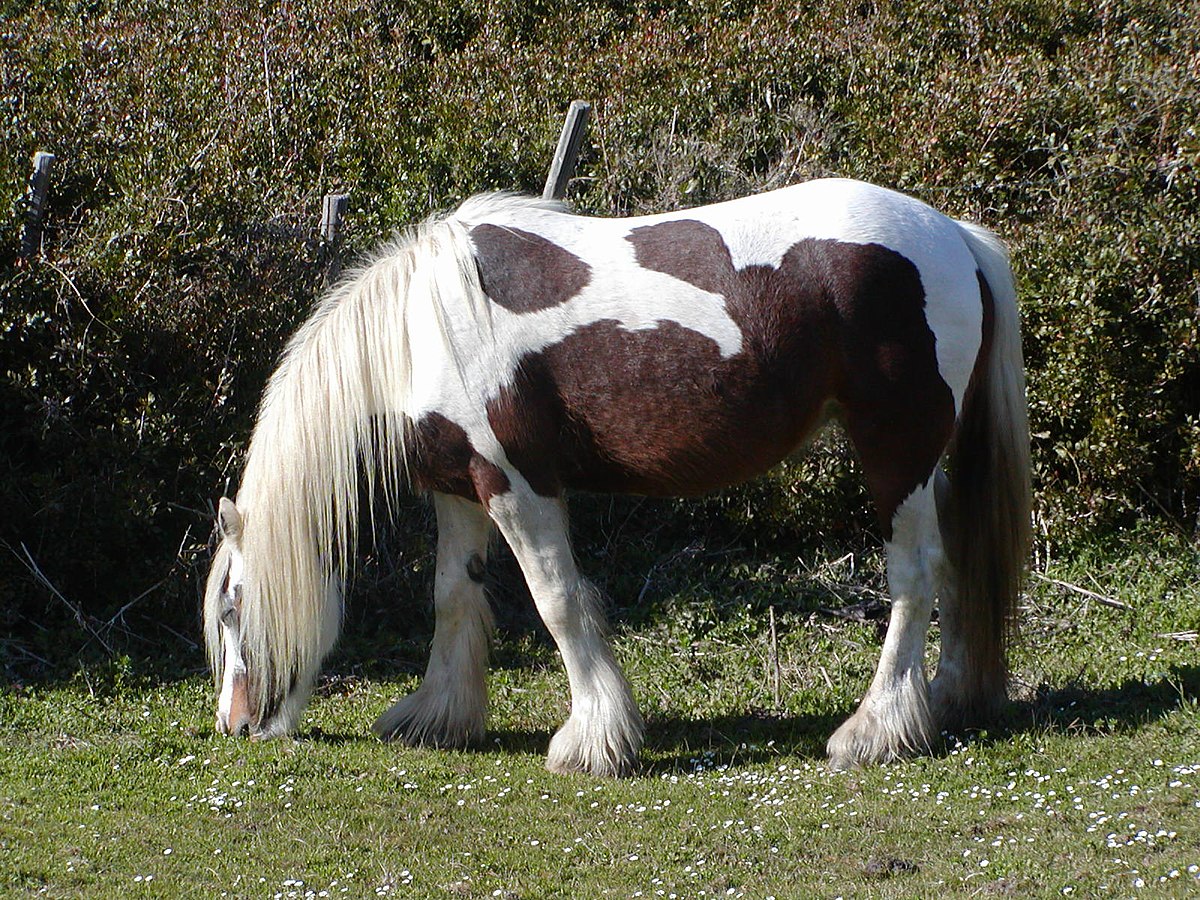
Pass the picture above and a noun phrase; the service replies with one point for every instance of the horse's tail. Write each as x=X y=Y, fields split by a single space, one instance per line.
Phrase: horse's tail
x=986 y=512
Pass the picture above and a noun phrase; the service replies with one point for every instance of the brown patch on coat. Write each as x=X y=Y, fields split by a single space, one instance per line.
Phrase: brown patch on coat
x=441 y=458
x=688 y=250
x=659 y=412
x=488 y=478
x=524 y=272
x=654 y=412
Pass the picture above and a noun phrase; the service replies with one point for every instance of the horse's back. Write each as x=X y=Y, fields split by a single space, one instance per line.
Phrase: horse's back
x=679 y=353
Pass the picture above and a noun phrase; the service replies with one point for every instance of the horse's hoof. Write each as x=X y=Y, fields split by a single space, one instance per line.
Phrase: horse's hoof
x=611 y=753
x=414 y=722
x=882 y=732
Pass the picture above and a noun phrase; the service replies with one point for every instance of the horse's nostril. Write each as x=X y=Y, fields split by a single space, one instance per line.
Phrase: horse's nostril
x=238 y=727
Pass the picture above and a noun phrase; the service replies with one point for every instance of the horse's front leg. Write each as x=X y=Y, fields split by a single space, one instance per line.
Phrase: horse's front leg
x=894 y=720
x=449 y=708
x=603 y=734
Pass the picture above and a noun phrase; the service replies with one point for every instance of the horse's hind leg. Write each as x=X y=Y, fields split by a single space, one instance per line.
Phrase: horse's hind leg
x=893 y=719
x=449 y=708
x=948 y=687
x=603 y=734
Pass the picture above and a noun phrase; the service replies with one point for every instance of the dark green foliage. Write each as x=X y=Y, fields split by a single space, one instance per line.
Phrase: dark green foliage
x=195 y=141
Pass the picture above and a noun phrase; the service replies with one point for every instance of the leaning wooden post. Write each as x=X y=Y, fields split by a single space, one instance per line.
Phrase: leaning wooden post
x=39 y=187
x=567 y=152
x=333 y=213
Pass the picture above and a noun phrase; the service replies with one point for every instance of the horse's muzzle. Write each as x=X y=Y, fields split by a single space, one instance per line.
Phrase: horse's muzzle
x=238 y=720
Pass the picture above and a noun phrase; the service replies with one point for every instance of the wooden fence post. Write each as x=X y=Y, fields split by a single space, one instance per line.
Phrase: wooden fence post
x=333 y=213
x=569 y=142
x=39 y=187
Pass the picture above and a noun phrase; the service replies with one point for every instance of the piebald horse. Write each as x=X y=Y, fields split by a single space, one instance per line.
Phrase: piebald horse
x=508 y=352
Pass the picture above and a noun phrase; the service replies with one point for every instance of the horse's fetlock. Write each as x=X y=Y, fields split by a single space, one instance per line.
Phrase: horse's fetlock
x=888 y=725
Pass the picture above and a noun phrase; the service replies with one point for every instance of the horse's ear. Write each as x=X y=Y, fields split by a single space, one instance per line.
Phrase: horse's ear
x=229 y=521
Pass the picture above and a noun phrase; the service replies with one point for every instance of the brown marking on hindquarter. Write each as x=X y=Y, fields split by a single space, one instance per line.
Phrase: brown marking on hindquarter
x=442 y=459
x=660 y=412
x=898 y=410
x=524 y=272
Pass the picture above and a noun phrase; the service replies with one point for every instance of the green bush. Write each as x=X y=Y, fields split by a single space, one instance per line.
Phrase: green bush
x=194 y=143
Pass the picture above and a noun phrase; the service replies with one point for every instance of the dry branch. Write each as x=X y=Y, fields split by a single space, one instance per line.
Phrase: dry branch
x=84 y=622
x=1083 y=592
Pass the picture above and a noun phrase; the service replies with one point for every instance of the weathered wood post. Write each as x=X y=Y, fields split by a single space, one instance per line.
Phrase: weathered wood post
x=39 y=187
x=569 y=142
x=333 y=213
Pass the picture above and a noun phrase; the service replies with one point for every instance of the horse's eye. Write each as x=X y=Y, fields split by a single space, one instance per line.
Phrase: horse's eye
x=229 y=615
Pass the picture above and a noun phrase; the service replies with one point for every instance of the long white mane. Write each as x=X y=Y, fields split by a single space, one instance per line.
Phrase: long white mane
x=334 y=408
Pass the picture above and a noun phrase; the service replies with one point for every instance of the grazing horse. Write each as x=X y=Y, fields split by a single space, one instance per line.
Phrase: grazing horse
x=511 y=351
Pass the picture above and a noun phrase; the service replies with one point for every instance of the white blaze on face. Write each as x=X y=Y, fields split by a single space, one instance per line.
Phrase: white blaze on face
x=233 y=703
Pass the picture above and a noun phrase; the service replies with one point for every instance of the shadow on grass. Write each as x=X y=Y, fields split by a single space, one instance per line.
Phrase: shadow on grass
x=676 y=745
x=683 y=745
x=679 y=745
x=1080 y=709
x=673 y=745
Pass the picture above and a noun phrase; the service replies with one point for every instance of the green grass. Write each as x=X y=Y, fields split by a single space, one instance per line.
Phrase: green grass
x=113 y=783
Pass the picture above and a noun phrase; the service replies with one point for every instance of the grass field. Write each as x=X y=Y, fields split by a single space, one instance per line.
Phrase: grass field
x=113 y=783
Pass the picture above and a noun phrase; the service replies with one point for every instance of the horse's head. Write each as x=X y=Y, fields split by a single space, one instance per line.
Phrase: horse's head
x=263 y=662
x=249 y=700
x=223 y=624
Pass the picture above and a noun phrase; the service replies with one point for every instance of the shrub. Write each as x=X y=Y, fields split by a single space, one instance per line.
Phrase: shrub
x=195 y=142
